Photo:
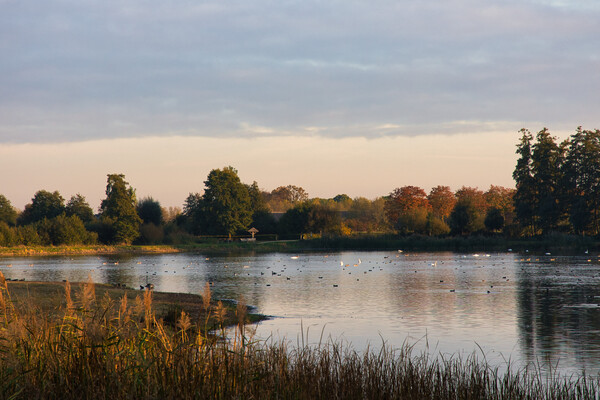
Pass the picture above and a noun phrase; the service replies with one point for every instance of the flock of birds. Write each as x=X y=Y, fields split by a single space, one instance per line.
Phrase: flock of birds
x=356 y=267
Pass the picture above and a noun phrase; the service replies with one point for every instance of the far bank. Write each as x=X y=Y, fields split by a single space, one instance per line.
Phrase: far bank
x=556 y=243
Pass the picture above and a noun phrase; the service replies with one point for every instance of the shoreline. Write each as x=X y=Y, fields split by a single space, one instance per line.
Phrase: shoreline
x=49 y=296
x=555 y=243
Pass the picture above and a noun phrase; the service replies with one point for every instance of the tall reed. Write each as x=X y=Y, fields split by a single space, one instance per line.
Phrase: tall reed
x=113 y=349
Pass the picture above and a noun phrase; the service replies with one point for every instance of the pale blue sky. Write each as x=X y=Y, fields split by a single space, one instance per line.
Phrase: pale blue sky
x=211 y=74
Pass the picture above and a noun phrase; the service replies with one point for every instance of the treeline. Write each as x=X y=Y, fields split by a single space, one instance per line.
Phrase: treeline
x=228 y=208
x=558 y=184
x=557 y=190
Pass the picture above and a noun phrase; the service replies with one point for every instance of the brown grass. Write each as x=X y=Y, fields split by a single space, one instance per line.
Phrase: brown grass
x=100 y=345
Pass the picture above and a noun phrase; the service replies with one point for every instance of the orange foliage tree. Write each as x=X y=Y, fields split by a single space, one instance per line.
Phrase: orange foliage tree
x=407 y=209
x=442 y=201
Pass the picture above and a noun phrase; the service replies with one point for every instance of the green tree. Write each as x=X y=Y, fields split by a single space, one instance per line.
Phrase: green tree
x=525 y=197
x=494 y=219
x=323 y=219
x=8 y=214
x=118 y=211
x=258 y=203
x=63 y=230
x=44 y=204
x=78 y=206
x=28 y=236
x=295 y=220
x=463 y=219
x=150 y=211
x=8 y=236
x=365 y=215
x=192 y=217
x=546 y=161
x=342 y=198
x=226 y=204
x=581 y=181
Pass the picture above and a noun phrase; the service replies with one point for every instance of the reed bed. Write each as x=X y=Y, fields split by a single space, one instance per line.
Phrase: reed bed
x=101 y=348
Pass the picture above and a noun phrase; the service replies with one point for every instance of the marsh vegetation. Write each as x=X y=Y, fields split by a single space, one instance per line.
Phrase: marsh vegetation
x=86 y=343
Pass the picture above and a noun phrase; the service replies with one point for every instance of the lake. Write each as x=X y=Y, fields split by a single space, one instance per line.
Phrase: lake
x=503 y=306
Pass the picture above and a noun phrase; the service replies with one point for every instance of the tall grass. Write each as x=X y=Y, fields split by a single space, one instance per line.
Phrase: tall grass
x=104 y=348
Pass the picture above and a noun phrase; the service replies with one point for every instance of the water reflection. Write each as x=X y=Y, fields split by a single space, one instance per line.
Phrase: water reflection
x=528 y=310
x=559 y=316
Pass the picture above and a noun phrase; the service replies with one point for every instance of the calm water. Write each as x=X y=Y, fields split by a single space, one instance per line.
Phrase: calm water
x=508 y=306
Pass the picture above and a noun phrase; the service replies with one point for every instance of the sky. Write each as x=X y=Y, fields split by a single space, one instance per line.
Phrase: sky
x=356 y=97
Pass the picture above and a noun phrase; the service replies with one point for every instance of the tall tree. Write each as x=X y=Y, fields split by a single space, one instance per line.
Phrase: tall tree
x=546 y=160
x=226 y=204
x=581 y=181
x=8 y=214
x=525 y=197
x=118 y=210
x=44 y=204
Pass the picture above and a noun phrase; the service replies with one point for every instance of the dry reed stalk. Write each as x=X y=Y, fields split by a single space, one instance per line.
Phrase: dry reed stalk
x=147 y=307
x=3 y=281
x=184 y=324
x=88 y=295
x=123 y=316
x=206 y=297
x=69 y=300
x=220 y=313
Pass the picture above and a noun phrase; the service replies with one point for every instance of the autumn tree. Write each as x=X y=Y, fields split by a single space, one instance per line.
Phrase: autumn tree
x=367 y=215
x=119 y=217
x=284 y=197
x=407 y=208
x=501 y=198
x=442 y=201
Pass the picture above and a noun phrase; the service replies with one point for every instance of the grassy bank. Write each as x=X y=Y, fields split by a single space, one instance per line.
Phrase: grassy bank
x=556 y=243
x=49 y=298
x=553 y=243
x=91 y=346
x=32 y=251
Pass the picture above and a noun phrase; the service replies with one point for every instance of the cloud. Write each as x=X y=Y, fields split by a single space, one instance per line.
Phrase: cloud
x=83 y=70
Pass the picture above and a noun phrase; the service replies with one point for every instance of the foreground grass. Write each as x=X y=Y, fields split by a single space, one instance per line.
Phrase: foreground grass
x=100 y=347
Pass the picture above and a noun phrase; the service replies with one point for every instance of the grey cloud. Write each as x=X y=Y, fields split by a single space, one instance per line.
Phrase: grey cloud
x=81 y=70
